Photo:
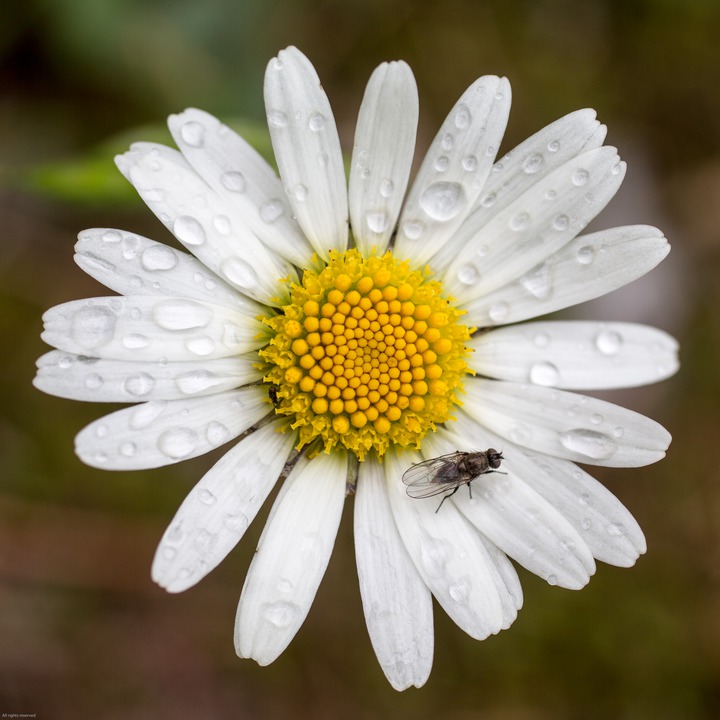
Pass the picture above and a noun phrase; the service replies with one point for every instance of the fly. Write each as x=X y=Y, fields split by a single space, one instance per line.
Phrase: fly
x=449 y=472
x=273 y=395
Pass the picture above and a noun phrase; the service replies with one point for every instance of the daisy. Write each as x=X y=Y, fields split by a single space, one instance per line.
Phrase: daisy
x=337 y=358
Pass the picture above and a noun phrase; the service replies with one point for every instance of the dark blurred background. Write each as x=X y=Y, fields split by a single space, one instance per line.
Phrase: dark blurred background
x=84 y=633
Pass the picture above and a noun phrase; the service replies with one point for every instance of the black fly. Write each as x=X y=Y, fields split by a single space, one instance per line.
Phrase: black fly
x=273 y=395
x=449 y=472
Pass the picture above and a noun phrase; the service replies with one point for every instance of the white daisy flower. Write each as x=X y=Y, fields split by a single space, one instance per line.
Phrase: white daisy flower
x=369 y=351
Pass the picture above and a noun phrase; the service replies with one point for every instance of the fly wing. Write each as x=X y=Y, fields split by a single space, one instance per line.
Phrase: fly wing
x=435 y=476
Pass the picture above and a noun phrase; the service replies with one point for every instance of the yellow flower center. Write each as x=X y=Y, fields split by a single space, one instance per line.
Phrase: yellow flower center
x=367 y=354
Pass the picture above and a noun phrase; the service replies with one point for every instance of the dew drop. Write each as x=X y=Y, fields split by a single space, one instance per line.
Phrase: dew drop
x=541 y=340
x=533 y=163
x=188 y=230
x=207 y=497
x=217 y=433
x=112 y=236
x=204 y=541
x=271 y=210
x=193 y=133
x=469 y=163
x=460 y=590
x=239 y=272
x=468 y=274
x=93 y=381
x=233 y=181
x=544 y=373
x=553 y=146
x=285 y=586
x=463 y=117
x=139 y=385
x=447 y=142
x=377 y=222
x=158 y=257
x=552 y=579
x=92 y=326
x=550 y=194
x=618 y=432
x=145 y=414
x=520 y=221
x=135 y=341
x=441 y=163
x=236 y=523
x=616 y=169
x=489 y=200
x=608 y=342
x=442 y=201
x=201 y=346
x=280 y=614
x=169 y=553
x=561 y=223
x=65 y=362
x=177 y=443
x=181 y=315
x=316 y=122
x=499 y=311
x=195 y=381
x=589 y=443
x=277 y=119
x=580 y=177
x=413 y=229
x=538 y=282
x=615 y=529
x=433 y=556
x=386 y=188
x=222 y=224
x=128 y=449
x=585 y=255
x=596 y=418
x=300 y=192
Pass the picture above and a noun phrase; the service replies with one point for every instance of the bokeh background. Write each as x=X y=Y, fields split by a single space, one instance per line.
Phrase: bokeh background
x=83 y=631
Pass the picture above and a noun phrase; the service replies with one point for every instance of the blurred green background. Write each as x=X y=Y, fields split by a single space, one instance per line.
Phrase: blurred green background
x=84 y=633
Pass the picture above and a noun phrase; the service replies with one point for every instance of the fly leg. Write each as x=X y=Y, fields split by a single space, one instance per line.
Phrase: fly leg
x=449 y=495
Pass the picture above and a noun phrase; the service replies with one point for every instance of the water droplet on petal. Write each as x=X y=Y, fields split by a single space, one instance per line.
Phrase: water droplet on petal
x=139 y=385
x=608 y=342
x=489 y=200
x=591 y=444
x=177 y=443
x=195 y=381
x=201 y=346
x=206 y=497
x=468 y=274
x=169 y=553
x=499 y=311
x=239 y=272
x=585 y=255
x=377 y=221
x=193 y=133
x=217 y=433
x=538 y=282
x=93 y=326
x=236 y=523
x=280 y=614
x=441 y=163
x=316 y=122
x=413 y=229
x=271 y=210
x=145 y=414
x=181 y=315
x=552 y=579
x=544 y=373
x=386 y=188
x=277 y=119
x=463 y=117
x=93 y=381
x=188 y=230
x=112 y=236
x=469 y=163
x=533 y=163
x=222 y=224
x=561 y=222
x=233 y=181
x=300 y=192
x=128 y=449
x=460 y=590
x=541 y=340
x=615 y=529
x=158 y=257
x=135 y=341
x=580 y=177
x=447 y=142
x=553 y=146
x=520 y=221
x=442 y=201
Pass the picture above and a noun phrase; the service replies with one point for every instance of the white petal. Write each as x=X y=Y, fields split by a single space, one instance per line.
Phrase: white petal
x=291 y=558
x=145 y=327
x=586 y=268
x=517 y=171
x=131 y=264
x=565 y=424
x=307 y=150
x=218 y=510
x=518 y=239
x=514 y=599
x=382 y=155
x=396 y=602
x=574 y=355
x=449 y=555
x=78 y=377
x=242 y=177
x=515 y=517
x=163 y=432
x=206 y=224
x=608 y=528
x=454 y=170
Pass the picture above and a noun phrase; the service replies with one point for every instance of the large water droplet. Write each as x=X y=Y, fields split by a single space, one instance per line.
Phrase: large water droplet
x=519 y=222
x=93 y=381
x=222 y=224
x=463 y=117
x=236 y=523
x=93 y=326
x=271 y=210
x=145 y=414
x=469 y=163
x=468 y=274
x=544 y=373
x=585 y=255
x=533 y=163
x=217 y=433
x=277 y=119
x=459 y=591
x=499 y=311
x=135 y=341
x=233 y=181
x=553 y=146
x=181 y=315
x=441 y=163
x=316 y=122
x=591 y=444
x=378 y=221
x=561 y=222
x=280 y=614
x=608 y=342
x=201 y=346
x=188 y=230
x=580 y=177
x=112 y=236
x=139 y=385
x=538 y=282
x=239 y=272
x=386 y=188
x=207 y=497
x=195 y=381
x=442 y=201
x=128 y=449
x=413 y=229
x=159 y=257
x=177 y=443
x=193 y=133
